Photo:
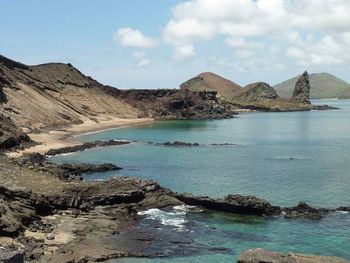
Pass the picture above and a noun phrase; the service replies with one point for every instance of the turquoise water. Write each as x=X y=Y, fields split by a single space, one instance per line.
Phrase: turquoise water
x=282 y=157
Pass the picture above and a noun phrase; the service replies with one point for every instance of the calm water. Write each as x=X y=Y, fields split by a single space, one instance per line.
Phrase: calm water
x=282 y=157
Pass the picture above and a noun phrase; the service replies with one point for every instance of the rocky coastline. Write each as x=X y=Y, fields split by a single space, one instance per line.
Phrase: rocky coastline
x=49 y=214
x=33 y=219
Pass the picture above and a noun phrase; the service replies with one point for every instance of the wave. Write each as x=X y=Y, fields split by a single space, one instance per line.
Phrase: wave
x=175 y=218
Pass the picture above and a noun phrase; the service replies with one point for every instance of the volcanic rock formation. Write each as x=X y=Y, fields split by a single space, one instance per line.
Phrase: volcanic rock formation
x=301 y=92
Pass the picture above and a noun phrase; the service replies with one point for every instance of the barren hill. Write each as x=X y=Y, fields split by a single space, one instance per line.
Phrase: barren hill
x=211 y=82
x=56 y=95
x=323 y=85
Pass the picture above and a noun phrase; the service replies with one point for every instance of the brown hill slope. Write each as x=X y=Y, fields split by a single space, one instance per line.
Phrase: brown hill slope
x=211 y=82
x=57 y=95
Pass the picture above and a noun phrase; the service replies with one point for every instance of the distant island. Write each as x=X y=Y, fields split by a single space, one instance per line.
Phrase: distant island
x=323 y=86
x=258 y=96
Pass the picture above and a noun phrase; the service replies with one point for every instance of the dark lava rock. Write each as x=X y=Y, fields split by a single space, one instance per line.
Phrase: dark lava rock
x=178 y=144
x=34 y=248
x=323 y=107
x=232 y=203
x=40 y=226
x=67 y=172
x=259 y=255
x=257 y=92
x=86 y=168
x=303 y=210
x=301 y=92
x=223 y=144
x=86 y=146
x=10 y=135
x=15 y=212
x=9 y=255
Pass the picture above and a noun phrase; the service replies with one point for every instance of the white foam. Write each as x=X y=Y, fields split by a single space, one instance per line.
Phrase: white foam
x=343 y=212
x=120 y=140
x=174 y=218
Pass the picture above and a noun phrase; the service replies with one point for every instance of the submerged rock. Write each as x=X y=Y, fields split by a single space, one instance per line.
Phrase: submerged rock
x=178 y=144
x=303 y=210
x=67 y=172
x=86 y=146
x=264 y=256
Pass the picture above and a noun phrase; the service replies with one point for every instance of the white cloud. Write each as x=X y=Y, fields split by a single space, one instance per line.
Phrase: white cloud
x=242 y=43
x=141 y=59
x=129 y=37
x=312 y=32
x=184 y=52
x=302 y=32
x=324 y=51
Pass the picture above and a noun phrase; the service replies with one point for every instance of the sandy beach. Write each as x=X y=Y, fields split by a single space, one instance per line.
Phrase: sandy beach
x=59 y=138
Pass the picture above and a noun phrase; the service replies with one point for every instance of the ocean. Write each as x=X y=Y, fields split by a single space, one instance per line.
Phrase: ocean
x=282 y=157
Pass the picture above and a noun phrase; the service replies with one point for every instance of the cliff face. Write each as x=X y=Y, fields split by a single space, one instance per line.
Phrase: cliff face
x=168 y=104
x=301 y=93
x=56 y=95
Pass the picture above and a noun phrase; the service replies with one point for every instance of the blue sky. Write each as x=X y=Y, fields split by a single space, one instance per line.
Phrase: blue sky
x=161 y=43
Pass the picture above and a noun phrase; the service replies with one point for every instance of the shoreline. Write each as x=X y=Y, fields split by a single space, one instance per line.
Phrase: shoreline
x=65 y=137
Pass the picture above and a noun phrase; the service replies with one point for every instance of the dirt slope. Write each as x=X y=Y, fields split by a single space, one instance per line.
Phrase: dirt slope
x=56 y=95
x=211 y=82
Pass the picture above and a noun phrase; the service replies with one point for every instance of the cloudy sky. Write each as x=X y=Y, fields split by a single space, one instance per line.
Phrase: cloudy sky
x=161 y=43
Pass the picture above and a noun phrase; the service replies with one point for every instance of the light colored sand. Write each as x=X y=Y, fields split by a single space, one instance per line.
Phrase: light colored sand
x=55 y=139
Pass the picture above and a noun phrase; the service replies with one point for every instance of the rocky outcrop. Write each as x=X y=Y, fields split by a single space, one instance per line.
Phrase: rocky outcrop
x=232 y=203
x=167 y=104
x=85 y=146
x=252 y=205
x=258 y=96
x=11 y=255
x=10 y=135
x=257 y=92
x=301 y=93
x=178 y=144
x=264 y=256
x=67 y=172
x=303 y=210
x=323 y=86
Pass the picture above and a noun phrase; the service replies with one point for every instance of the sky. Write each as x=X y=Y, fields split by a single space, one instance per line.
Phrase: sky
x=162 y=43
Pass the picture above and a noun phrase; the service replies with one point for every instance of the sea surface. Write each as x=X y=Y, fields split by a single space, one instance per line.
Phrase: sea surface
x=282 y=157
